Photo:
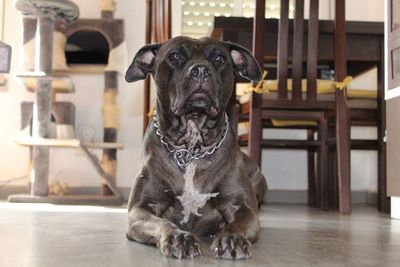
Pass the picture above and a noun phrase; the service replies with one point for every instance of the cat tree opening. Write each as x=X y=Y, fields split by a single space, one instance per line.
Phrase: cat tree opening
x=87 y=47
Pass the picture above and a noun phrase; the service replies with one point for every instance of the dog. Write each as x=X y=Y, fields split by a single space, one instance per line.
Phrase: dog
x=195 y=181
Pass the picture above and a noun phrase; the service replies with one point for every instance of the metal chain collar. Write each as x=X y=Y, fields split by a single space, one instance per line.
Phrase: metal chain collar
x=183 y=157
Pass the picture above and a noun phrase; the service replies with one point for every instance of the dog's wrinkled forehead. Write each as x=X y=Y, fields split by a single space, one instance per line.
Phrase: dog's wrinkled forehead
x=178 y=51
x=192 y=48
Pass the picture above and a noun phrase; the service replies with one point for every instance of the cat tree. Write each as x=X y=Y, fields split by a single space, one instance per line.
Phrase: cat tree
x=41 y=29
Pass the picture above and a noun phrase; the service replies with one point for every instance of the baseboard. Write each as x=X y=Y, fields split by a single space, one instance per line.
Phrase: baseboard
x=286 y=196
x=300 y=197
x=273 y=196
x=7 y=190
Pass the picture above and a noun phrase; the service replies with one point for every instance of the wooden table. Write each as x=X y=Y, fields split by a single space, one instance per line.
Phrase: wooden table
x=364 y=41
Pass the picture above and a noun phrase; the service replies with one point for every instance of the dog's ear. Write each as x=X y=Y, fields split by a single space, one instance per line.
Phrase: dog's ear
x=142 y=64
x=245 y=63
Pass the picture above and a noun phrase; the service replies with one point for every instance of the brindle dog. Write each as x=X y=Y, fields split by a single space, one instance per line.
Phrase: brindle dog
x=195 y=181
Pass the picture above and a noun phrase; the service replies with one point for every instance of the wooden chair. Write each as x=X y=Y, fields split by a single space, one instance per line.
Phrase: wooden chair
x=294 y=104
x=303 y=102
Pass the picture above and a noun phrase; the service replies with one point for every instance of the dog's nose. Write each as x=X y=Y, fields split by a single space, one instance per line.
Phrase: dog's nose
x=199 y=73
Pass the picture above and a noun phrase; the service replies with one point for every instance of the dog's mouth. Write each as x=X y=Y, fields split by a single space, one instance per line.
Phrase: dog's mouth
x=200 y=102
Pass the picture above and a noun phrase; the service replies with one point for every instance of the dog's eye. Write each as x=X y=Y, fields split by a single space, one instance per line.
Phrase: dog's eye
x=220 y=59
x=174 y=56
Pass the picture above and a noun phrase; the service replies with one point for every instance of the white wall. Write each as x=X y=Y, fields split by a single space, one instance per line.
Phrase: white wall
x=13 y=159
x=357 y=10
x=285 y=170
x=365 y=10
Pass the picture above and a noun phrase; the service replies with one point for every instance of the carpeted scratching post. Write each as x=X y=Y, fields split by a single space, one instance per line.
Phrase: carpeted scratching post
x=46 y=12
x=110 y=109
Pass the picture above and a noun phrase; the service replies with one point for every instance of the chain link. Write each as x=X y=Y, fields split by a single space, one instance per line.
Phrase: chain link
x=183 y=157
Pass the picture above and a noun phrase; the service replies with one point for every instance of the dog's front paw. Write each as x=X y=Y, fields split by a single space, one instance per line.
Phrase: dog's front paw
x=180 y=244
x=231 y=247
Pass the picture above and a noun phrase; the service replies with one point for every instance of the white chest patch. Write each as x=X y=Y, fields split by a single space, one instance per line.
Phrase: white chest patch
x=191 y=199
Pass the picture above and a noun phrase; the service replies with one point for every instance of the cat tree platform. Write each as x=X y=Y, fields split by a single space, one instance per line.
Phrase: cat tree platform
x=68 y=199
x=115 y=199
x=59 y=85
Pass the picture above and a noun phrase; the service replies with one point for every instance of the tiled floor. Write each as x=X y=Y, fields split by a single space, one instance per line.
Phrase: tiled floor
x=47 y=235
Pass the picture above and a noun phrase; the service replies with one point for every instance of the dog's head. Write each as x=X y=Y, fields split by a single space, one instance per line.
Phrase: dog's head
x=194 y=76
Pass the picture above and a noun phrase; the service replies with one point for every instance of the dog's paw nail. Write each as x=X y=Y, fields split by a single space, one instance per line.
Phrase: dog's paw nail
x=167 y=251
x=179 y=252
x=248 y=249
x=191 y=252
x=198 y=250
x=194 y=251
x=216 y=252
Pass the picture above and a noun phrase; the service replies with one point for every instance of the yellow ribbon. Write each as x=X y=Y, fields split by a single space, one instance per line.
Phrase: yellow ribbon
x=259 y=87
x=150 y=114
x=344 y=83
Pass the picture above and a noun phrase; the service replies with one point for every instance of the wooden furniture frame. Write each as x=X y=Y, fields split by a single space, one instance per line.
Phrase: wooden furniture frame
x=158 y=30
x=392 y=96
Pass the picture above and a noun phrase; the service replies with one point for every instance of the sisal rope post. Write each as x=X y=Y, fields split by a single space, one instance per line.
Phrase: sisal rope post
x=42 y=107
x=110 y=111
x=107 y=8
x=111 y=124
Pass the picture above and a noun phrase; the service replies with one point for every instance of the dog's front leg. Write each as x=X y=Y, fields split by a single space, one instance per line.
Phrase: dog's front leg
x=147 y=228
x=234 y=240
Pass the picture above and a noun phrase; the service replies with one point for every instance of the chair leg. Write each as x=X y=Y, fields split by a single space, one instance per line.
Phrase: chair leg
x=333 y=183
x=343 y=152
x=383 y=199
x=312 y=198
x=255 y=131
x=323 y=164
x=332 y=170
x=232 y=111
x=146 y=105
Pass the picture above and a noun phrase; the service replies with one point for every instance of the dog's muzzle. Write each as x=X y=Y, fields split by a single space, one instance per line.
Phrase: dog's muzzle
x=201 y=86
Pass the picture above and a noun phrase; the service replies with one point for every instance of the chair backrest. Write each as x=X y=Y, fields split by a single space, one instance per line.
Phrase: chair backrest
x=298 y=50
